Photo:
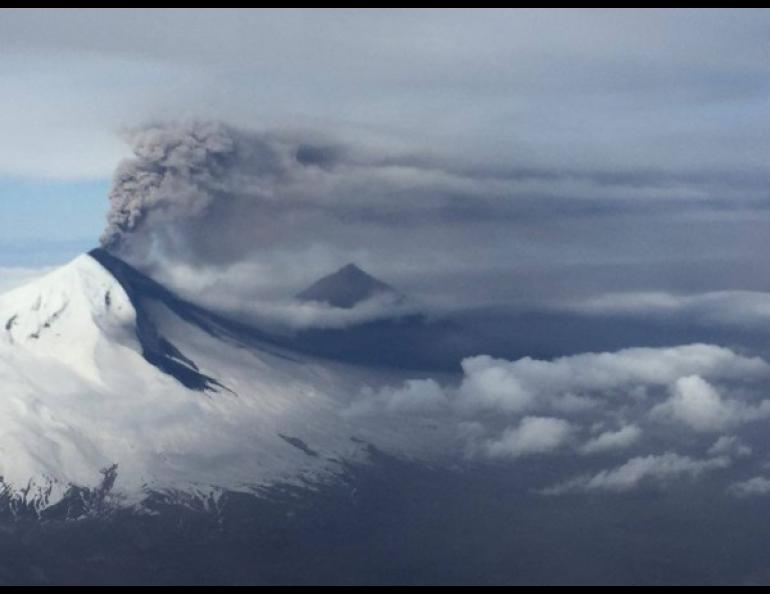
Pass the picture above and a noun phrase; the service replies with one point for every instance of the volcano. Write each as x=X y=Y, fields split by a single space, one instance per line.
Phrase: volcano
x=109 y=374
x=348 y=287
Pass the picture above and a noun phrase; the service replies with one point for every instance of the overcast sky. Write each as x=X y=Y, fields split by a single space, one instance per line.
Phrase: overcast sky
x=594 y=150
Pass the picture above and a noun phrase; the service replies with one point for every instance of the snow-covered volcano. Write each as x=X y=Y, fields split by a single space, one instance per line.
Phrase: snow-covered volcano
x=102 y=366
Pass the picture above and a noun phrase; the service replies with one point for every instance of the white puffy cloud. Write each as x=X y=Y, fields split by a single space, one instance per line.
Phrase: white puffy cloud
x=656 y=468
x=697 y=404
x=758 y=485
x=416 y=396
x=573 y=404
x=729 y=445
x=613 y=440
x=297 y=315
x=533 y=435
x=493 y=384
x=595 y=403
x=732 y=308
x=514 y=386
x=586 y=382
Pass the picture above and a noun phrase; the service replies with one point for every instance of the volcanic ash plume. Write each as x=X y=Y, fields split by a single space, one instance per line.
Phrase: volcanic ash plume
x=180 y=172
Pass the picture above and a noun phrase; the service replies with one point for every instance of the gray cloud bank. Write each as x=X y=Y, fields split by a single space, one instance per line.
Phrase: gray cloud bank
x=496 y=82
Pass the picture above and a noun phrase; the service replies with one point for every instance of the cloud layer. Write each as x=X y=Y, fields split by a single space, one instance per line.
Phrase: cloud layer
x=660 y=414
x=630 y=475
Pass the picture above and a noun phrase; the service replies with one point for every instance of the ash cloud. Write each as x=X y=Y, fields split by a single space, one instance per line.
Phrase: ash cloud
x=220 y=193
x=185 y=173
x=171 y=172
x=226 y=205
x=206 y=192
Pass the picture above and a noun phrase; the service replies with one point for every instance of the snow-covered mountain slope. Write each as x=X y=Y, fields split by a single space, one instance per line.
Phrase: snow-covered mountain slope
x=68 y=316
x=101 y=366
